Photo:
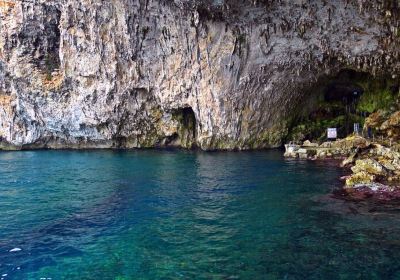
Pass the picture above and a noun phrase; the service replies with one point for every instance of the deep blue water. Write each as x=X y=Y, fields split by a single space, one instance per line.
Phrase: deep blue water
x=186 y=215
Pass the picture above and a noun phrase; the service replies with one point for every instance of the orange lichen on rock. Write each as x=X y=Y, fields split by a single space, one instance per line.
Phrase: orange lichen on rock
x=53 y=82
x=6 y=6
x=5 y=102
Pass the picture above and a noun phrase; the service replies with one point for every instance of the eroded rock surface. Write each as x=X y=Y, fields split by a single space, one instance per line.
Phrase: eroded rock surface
x=145 y=73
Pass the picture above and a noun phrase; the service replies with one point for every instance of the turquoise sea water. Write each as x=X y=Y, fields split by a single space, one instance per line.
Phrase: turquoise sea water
x=186 y=215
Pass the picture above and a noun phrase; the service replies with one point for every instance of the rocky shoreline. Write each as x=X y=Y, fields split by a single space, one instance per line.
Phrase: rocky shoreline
x=374 y=169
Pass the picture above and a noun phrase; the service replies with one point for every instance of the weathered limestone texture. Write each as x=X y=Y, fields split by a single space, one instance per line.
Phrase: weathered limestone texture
x=147 y=73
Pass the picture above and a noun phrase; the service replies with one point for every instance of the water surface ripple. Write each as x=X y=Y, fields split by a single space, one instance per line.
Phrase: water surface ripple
x=185 y=215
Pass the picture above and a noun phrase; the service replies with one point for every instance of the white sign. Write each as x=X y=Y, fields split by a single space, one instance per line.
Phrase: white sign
x=332 y=133
x=356 y=128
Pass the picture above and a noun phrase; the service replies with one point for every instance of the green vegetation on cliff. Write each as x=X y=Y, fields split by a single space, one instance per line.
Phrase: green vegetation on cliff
x=344 y=100
x=378 y=95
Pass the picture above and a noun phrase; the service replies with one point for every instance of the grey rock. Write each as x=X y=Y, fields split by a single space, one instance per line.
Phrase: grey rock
x=213 y=74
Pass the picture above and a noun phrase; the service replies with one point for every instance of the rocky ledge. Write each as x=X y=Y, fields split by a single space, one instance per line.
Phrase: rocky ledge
x=374 y=169
x=375 y=172
x=373 y=164
x=338 y=149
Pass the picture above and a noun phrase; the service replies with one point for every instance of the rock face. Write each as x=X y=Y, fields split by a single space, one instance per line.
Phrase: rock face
x=385 y=124
x=375 y=173
x=144 y=73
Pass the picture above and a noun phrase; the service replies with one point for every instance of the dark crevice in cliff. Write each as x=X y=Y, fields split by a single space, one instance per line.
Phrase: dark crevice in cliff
x=228 y=10
x=40 y=35
x=340 y=101
x=47 y=45
x=186 y=134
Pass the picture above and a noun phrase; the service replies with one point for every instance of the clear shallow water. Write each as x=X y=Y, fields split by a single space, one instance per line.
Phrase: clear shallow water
x=186 y=215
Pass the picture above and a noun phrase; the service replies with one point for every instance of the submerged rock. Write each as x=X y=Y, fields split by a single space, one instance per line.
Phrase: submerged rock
x=375 y=191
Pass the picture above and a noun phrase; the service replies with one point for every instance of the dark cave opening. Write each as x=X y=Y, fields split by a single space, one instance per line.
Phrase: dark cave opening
x=186 y=134
x=340 y=102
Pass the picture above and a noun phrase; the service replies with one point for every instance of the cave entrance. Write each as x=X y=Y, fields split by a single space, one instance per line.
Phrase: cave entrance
x=339 y=102
x=186 y=134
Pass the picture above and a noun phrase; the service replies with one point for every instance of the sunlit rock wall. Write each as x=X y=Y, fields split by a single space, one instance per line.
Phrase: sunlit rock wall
x=147 y=73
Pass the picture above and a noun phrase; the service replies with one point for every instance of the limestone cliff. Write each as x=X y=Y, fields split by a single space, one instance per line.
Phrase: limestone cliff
x=143 y=73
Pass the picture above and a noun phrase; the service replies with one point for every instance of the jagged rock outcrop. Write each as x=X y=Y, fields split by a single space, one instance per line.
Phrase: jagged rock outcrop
x=375 y=173
x=144 y=73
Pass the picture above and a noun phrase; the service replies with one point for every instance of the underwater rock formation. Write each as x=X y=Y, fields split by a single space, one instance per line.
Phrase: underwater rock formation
x=145 y=73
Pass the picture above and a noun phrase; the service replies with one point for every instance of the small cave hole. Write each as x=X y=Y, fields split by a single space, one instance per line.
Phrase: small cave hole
x=186 y=134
